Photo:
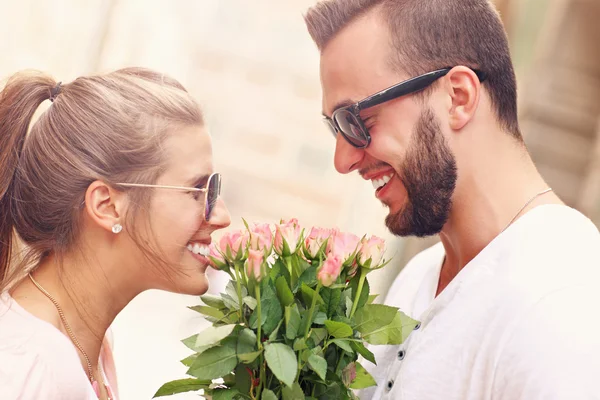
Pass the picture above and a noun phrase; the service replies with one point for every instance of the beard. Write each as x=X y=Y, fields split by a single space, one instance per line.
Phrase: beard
x=429 y=175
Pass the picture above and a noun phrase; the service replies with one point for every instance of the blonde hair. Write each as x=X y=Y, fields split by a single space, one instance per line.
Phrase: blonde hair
x=105 y=127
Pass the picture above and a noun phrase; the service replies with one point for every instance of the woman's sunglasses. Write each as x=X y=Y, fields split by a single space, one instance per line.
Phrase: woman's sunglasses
x=211 y=191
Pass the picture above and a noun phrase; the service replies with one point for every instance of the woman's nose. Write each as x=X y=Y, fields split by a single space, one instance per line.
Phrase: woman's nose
x=220 y=217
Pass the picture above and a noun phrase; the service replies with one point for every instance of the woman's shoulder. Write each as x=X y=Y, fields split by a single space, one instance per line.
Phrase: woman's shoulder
x=36 y=360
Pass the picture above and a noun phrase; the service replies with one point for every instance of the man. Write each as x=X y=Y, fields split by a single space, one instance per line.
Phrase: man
x=421 y=96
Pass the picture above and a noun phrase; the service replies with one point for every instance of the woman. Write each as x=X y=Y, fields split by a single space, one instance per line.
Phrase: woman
x=110 y=192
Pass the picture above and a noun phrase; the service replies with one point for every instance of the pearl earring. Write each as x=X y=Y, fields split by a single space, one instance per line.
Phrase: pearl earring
x=117 y=228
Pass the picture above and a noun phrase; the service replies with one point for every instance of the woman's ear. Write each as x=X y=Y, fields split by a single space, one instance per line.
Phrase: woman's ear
x=105 y=206
x=464 y=89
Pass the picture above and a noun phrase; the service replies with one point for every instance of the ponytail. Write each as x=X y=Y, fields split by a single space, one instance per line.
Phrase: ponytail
x=19 y=100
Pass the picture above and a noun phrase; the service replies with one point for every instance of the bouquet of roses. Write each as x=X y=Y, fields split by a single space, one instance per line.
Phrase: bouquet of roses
x=294 y=318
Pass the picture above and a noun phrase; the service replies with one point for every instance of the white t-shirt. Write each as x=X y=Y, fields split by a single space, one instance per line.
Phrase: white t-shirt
x=519 y=322
x=37 y=361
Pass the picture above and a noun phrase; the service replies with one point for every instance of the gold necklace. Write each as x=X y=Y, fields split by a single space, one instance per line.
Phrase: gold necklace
x=525 y=206
x=72 y=336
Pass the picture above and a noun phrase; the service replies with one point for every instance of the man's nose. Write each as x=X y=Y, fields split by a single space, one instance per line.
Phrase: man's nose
x=347 y=157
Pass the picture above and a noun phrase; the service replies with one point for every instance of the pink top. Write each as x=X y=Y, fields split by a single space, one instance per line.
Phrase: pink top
x=37 y=361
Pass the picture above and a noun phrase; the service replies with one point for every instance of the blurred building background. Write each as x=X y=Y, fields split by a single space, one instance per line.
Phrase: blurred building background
x=254 y=70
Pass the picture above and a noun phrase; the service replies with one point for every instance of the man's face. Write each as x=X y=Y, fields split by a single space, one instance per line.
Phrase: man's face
x=409 y=162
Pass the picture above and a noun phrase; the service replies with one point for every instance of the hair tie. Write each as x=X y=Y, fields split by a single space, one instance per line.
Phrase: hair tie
x=55 y=91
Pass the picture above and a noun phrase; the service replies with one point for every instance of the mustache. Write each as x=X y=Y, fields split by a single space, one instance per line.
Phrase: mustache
x=378 y=165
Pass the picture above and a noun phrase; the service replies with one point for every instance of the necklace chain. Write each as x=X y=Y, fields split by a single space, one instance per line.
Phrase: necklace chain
x=525 y=206
x=68 y=328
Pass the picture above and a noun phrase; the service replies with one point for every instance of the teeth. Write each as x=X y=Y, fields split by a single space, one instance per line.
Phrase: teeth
x=381 y=182
x=199 y=249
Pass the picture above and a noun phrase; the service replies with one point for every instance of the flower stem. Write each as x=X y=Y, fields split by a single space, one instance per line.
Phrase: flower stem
x=238 y=282
x=361 y=281
x=288 y=264
x=259 y=315
x=312 y=310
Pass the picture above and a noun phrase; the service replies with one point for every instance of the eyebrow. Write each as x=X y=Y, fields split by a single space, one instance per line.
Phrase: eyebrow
x=340 y=104
x=199 y=180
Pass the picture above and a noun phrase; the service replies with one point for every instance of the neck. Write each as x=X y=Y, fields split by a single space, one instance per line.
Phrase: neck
x=89 y=300
x=491 y=192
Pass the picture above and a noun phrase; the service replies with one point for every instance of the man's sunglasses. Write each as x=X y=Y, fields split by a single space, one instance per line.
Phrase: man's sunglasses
x=347 y=121
x=211 y=191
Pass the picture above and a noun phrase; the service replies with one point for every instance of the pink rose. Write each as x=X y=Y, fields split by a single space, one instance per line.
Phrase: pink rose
x=330 y=270
x=314 y=241
x=254 y=264
x=261 y=238
x=343 y=245
x=372 y=250
x=287 y=236
x=217 y=260
x=233 y=244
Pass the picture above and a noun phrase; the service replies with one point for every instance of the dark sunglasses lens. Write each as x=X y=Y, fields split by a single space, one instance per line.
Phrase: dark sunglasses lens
x=213 y=191
x=351 y=128
x=330 y=124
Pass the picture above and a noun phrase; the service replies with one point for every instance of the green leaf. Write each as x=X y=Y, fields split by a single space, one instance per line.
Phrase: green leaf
x=332 y=391
x=247 y=358
x=292 y=321
x=250 y=302
x=373 y=316
x=188 y=361
x=331 y=300
x=308 y=277
x=253 y=321
x=190 y=342
x=318 y=334
x=182 y=386
x=363 y=351
x=268 y=395
x=271 y=307
x=300 y=344
x=213 y=335
x=363 y=378
x=394 y=333
x=208 y=311
x=213 y=301
x=318 y=364
x=408 y=325
x=279 y=269
x=273 y=335
x=348 y=306
x=282 y=362
x=231 y=290
x=307 y=295
x=293 y=392
x=224 y=394
x=242 y=379
x=372 y=298
x=246 y=345
x=283 y=292
x=230 y=302
x=338 y=329
x=320 y=318
x=215 y=362
x=343 y=344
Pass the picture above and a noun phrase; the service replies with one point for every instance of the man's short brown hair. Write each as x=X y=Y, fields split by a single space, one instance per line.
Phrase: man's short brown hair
x=431 y=34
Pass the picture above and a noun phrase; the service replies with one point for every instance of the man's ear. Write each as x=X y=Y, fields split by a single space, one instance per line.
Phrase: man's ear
x=464 y=89
x=104 y=205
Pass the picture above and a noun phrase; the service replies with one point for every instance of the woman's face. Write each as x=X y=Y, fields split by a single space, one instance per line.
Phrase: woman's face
x=177 y=222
